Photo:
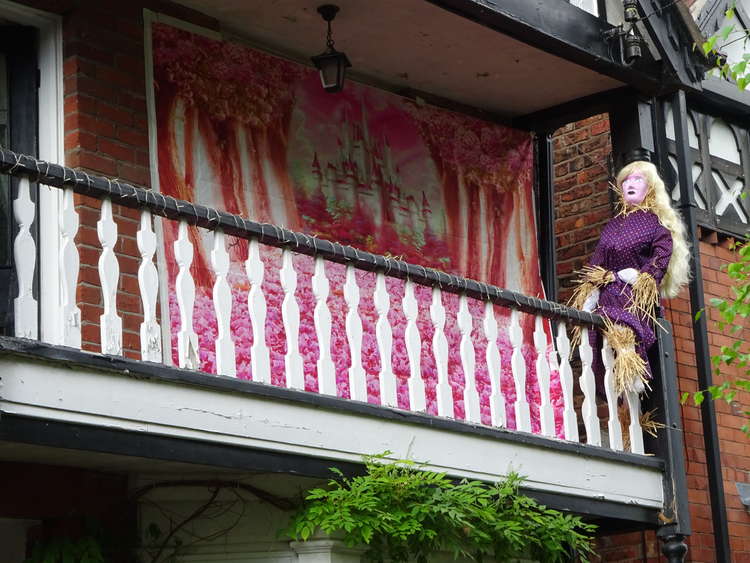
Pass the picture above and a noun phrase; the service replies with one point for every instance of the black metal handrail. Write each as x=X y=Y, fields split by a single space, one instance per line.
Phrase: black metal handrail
x=134 y=197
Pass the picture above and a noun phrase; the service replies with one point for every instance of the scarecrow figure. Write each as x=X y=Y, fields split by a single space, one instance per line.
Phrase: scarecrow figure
x=641 y=255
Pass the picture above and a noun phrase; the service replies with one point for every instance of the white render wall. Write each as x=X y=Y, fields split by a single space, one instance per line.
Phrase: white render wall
x=57 y=391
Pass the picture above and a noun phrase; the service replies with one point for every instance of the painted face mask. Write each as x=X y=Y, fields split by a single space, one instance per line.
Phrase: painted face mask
x=634 y=188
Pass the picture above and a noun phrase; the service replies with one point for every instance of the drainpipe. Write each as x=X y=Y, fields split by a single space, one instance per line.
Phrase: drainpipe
x=687 y=206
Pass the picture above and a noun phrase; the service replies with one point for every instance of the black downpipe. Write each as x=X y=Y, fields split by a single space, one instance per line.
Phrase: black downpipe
x=687 y=206
x=546 y=213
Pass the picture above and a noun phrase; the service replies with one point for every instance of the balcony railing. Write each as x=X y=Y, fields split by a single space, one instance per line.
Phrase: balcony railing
x=548 y=360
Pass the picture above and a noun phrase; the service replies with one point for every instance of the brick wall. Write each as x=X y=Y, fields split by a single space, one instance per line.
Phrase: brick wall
x=634 y=547
x=734 y=445
x=106 y=132
x=582 y=200
x=583 y=206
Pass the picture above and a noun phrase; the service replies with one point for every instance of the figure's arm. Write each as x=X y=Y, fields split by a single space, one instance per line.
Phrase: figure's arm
x=646 y=284
x=593 y=276
x=661 y=253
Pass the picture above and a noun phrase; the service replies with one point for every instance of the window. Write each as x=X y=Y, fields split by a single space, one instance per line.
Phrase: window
x=18 y=132
x=720 y=157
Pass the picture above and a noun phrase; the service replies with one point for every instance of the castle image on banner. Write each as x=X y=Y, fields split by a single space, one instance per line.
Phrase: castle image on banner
x=363 y=178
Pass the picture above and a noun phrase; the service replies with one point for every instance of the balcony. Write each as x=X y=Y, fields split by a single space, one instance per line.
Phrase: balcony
x=508 y=391
x=514 y=404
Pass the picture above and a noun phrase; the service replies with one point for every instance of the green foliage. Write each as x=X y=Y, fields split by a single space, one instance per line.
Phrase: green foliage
x=403 y=512
x=66 y=550
x=739 y=72
x=733 y=314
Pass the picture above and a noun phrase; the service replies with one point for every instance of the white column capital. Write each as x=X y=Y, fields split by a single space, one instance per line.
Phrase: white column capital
x=326 y=550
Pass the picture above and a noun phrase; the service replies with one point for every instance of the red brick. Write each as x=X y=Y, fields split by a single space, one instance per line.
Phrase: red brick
x=600 y=127
x=91 y=161
x=80 y=139
x=116 y=114
x=134 y=174
x=116 y=150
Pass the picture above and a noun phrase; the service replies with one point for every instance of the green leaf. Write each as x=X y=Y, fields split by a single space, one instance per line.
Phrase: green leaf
x=708 y=45
x=684 y=398
x=698 y=397
x=726 y=31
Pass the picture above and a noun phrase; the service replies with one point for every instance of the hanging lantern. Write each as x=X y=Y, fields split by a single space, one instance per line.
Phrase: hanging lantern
x=632 y=47
x=331 y=64
x=630 y=10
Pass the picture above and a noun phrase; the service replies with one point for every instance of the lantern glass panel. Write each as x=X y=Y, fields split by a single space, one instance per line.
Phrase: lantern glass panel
x=329 y=73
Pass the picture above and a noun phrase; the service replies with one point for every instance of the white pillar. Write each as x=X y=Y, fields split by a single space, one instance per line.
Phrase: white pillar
x=326 y=550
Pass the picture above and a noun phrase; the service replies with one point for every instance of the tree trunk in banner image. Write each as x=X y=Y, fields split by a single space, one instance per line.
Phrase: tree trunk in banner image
x=479 y=224
x=220 y=140
x=176 y=156
x=449 y=183
x=464 y=236
x=501 y=208
x=277 y=143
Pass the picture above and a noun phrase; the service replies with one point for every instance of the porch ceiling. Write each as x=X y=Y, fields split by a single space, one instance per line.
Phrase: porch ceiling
x=414 y=45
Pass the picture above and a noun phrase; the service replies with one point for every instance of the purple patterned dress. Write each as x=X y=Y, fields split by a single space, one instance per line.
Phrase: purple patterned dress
x=636 y=240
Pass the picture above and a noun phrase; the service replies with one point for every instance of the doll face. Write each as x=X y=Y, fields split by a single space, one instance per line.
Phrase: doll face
x=634 y=188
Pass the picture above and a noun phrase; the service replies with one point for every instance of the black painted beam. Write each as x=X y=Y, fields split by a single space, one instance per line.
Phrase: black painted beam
x=561 y=29
x=553 y=118
x=546 y=213
x=721 y=97
x=631 y=121
x=688 y=206
x=671 y=439
x=665 y=24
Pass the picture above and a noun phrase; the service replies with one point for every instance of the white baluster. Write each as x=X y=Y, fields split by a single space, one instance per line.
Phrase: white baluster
x=69 y=264
x=443 y=390
x=109 y=274
x=518 y=366
x=613 y=424
x=417 y=401
x=384 y=336
x=260 y=360
x=468 y=361
x=187 y=341
x=570 y=420
x=635 y=430
x=295 y=376
x=148 y=282
x=25 y=308
x=588 y=386
x=357 y=376
x=226 y=363
x=497 y=401
x=546 y=414
x=322 y=315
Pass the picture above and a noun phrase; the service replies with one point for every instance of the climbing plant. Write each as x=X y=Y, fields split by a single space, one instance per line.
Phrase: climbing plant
x=402 y=512
x=733 y=314
x=715 y=46
x=86 y=549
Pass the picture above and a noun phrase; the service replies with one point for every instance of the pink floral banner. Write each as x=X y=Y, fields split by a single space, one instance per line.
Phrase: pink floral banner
x=256 y=135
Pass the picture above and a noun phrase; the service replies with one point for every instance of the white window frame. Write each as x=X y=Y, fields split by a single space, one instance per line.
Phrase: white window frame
x=52 y=149
x=590 y=6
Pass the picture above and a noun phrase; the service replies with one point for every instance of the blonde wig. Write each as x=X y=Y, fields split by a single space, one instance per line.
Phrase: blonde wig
x=657 y=200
